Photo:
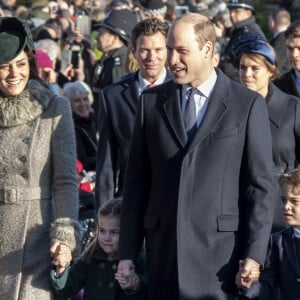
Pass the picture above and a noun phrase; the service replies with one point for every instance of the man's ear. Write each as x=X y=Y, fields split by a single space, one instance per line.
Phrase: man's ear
x=209 y=49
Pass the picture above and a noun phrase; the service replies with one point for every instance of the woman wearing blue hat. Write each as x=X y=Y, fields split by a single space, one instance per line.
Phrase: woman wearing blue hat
x=258 y=66
x=37 y=169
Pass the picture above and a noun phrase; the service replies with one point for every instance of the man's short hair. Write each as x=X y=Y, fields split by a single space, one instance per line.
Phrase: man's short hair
x=203 y=27
x=281 y=17
x=149 y=27
x=293 y=31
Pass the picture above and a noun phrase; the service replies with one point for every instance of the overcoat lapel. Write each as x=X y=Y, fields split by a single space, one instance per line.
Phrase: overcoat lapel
x=292 y=82
x=290 y=251
x=276 y=107
x=215 y=110
x=130 y=94
x=173 y=111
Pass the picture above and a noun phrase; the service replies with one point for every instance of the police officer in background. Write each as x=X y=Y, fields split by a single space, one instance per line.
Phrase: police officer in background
x=243 y=23
x=113 y=39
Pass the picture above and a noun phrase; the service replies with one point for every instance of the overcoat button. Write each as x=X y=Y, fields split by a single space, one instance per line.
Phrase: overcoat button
x=114 y=267
x=99 y=284
x=111 y=285
x=26 y=140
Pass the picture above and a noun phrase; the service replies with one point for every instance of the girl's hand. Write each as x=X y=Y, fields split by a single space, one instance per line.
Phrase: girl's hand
x=128 y=282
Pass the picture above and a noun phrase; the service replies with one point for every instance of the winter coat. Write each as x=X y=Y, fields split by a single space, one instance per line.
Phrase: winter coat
x=86 y=141
x=287 y=83
x=280 y=276
x=37 y=185
x=203 y=206
x=284 y=117
x=98 y=279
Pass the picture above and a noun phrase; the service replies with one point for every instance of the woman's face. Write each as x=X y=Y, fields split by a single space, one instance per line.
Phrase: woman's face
x=81 y=106
x=14 y=75
x=254 y=74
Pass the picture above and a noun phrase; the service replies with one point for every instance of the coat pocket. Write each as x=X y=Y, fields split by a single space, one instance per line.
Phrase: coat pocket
x=228 y=222
x=151 y=222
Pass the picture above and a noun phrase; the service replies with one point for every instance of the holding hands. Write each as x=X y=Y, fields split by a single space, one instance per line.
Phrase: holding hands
x=126 y=275
x=249 y=271
x=62 y=256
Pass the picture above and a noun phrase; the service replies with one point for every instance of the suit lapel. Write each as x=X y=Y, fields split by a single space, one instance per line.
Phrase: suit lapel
x=216 y=108
x=292 y=82
x=276 y=106
x=130 y=93
x=172 y=93
x=288 y=245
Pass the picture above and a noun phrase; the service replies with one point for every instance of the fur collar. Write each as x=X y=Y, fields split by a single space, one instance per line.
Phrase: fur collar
x=26 y=107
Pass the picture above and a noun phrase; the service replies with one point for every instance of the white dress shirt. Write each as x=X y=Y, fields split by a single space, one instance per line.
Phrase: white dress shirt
x=143 y=83
x=201 y=98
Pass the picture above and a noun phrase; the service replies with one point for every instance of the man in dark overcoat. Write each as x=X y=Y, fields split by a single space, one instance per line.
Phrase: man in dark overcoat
x=119 y=103
x=199 y=194
x=290 y=81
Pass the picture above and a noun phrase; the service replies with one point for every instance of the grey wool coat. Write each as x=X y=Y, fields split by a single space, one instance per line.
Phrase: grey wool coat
x=37 y=185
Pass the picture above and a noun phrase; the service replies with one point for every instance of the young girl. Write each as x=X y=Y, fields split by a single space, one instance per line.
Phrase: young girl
x=95 y=270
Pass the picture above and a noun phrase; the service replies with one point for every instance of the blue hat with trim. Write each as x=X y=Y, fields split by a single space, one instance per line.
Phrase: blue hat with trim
x=15 y=36
x=255 y=44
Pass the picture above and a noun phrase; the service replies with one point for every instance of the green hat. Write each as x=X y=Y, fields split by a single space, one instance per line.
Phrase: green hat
x=15 y=36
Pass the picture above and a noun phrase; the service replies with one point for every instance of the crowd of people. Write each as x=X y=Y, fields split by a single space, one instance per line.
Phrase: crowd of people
x=182 y=121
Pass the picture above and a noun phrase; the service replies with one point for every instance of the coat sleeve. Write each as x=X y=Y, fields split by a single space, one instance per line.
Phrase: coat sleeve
x=63 y=145
x=141 y=271
x=107 y=155
x=257 y=181
x=84 y=147
x=71 y=281
x=137 y=181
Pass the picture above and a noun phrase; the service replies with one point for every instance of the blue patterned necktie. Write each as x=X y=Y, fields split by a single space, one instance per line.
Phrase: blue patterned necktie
x=189 y=115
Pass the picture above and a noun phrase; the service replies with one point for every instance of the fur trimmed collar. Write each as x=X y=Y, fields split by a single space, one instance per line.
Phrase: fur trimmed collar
x=26 y=107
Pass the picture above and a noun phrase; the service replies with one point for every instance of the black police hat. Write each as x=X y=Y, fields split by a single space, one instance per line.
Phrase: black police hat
x=154 y=6
x=247 y=4
x=120 y=22
x=15 y=36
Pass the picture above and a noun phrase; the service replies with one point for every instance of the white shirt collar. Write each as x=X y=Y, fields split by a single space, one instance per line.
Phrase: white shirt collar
x=205 y=87
x=143 y=83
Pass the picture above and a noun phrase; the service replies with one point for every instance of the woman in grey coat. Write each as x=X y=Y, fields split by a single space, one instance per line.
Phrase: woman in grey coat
x=37 y=169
